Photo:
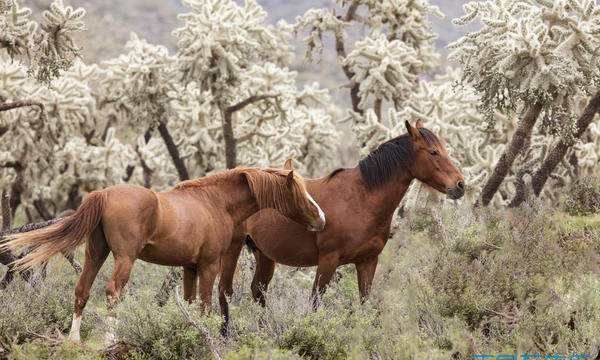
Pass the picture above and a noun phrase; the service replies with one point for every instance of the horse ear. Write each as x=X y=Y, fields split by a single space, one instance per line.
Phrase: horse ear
x=288 y=165
x=412 y=131
x=290 y=178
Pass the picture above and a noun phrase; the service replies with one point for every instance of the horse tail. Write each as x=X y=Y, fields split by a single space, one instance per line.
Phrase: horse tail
x=63 y=236
x=250 y=244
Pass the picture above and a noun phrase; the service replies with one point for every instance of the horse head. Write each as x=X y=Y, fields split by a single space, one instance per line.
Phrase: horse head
x=432 y=165
x=285 y=191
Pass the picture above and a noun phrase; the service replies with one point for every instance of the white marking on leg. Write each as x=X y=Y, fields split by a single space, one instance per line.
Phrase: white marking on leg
x=74 y=334
x=321 y=213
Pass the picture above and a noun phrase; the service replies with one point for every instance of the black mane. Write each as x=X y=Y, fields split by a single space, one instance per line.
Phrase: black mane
x=392 y=156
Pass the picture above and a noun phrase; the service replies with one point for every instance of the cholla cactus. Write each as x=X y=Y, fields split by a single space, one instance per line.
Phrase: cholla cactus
x=405 y=20
x=240 y=64
x=49 y=46
x=52 y=158
x=232 y=38
x=531 y=51
x=532 y=57
x=384 y=69
x=243 y=101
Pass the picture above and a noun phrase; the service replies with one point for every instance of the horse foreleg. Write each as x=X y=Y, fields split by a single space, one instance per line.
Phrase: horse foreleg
x=365 y=271
x=263 y=274
x=325 y=270
x=95 y=254
x=190 y=277
x=228 y=265
x=207 y=273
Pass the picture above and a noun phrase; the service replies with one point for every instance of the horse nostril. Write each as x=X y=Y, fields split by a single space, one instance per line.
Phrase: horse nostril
x=460 y=184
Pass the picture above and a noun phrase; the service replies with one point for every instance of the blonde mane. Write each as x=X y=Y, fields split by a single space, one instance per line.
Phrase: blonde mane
x=268 y=186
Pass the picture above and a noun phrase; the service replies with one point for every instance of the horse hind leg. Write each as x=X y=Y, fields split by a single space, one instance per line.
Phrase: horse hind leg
x=114 y=288
x=95 y=254
x=263 y=274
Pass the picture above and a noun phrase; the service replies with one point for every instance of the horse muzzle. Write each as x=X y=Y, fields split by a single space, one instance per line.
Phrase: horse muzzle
x=456 y=192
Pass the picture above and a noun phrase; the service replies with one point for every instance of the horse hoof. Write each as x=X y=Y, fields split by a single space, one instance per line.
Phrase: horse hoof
x=224 y=330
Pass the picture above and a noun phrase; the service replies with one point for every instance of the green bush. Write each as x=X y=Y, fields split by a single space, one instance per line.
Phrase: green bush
x=161 y=333
x=583 y=196
x=450 y=283
x=31 y=311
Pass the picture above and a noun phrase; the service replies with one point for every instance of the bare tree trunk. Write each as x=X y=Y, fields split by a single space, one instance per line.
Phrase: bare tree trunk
x=377 y=107
x=229 y=139
x=556 y=155
x=228 y=135
x=41 y=208
x=6 y=211
x=517 y=144
x=7 y=257
x=145 y=168
x=340 y=48
x=174 y=152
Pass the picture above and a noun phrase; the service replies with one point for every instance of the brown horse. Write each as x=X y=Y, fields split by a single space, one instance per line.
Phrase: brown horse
x=189 y=226
x=359 y=204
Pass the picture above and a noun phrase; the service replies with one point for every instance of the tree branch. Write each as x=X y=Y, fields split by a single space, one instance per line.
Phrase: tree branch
x=210 y=342
x=340 y=48
x=24 y=103
x=228 y=136
x=6 y=211
x=252 y=99
x=173 y=151
x=145 y=168
x=21 y=103
x=377 y=108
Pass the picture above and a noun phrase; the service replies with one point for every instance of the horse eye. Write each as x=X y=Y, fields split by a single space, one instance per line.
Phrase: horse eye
x=434 y=152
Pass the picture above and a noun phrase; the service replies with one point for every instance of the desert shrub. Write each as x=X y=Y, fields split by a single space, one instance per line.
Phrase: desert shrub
x=496 y=280
x=451 y=282
x=583 y=196
x=30 y=311
x=41 y=350
x=249 y=353
x=161 y=332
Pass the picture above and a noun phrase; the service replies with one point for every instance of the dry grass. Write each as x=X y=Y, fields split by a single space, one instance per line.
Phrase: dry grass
x=450 y=283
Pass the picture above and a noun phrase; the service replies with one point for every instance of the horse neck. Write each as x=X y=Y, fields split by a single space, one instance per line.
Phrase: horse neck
x=235 y=196
x=386 y=197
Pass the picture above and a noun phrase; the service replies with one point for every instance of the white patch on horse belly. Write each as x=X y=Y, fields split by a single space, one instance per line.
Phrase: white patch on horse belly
x=74 y=334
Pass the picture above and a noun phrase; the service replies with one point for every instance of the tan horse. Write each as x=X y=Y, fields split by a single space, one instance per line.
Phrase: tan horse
x=359 y=203
x=189 y=226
